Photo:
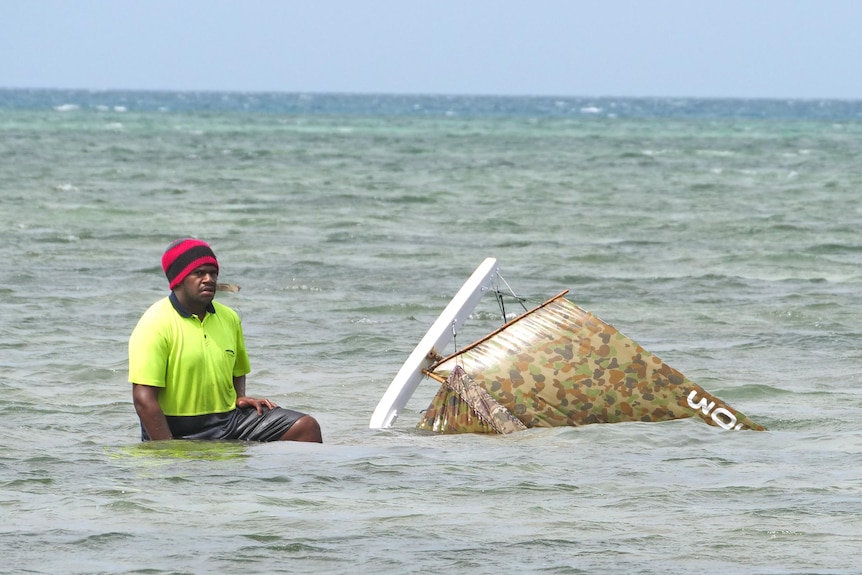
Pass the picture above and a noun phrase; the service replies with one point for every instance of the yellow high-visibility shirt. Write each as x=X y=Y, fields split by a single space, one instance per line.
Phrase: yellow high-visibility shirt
x=193 y=362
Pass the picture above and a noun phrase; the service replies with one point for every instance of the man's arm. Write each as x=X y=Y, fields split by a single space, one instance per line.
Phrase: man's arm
x=146 y=398
x=239 y=385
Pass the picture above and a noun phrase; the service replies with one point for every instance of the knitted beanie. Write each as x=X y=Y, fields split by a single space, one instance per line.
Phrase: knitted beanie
x=183 y=256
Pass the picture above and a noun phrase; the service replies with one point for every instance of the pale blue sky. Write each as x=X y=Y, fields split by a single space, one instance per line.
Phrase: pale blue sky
x=700 y=48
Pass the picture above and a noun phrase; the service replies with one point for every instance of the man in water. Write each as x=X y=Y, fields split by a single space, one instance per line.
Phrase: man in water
x=188 y=362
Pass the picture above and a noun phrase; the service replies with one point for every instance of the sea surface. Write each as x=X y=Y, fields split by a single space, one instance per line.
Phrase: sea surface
x=721 y=235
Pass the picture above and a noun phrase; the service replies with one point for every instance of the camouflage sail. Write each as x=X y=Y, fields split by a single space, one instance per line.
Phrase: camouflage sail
x=559 y=365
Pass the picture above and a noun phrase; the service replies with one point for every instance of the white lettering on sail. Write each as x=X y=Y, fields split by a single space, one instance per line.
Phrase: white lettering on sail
x=721 y=416
x=704 y=404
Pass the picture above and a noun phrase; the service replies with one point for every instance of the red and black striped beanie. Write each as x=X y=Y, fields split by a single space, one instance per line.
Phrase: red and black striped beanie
x=184 y=255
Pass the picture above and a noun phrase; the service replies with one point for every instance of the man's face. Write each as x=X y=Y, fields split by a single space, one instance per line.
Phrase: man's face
x=200 y=285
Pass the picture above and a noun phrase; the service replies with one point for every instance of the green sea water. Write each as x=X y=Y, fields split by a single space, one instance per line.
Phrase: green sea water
x=723 y=236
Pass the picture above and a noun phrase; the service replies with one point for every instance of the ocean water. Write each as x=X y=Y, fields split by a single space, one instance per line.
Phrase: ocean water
x=722 y=235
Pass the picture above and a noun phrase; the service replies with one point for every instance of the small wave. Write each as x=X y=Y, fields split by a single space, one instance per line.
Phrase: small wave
x=834 y=248
x=67 y=107
x=751 y=391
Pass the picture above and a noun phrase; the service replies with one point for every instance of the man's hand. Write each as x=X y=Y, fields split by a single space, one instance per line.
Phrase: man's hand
x=258 y=404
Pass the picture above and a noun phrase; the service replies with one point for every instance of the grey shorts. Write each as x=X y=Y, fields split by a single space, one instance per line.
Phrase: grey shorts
x=243 y=423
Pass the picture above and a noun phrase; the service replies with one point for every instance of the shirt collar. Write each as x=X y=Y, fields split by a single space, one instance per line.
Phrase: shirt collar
x=183 y=311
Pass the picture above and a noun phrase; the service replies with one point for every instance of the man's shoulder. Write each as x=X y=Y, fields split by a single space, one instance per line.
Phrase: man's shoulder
x=159 y=306
x=225 y=311
x=157 y=312
x=153 y=321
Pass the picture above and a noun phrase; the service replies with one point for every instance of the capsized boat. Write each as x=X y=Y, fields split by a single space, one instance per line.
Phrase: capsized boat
x=554 y=365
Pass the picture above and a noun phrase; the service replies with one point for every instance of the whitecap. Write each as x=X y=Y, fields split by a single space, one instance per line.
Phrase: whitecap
x=66 y=107
x=120 y=108
x=590 y=110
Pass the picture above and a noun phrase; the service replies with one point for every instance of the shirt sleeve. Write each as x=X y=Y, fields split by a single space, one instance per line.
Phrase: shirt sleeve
x=242 y=365
x=148 y=353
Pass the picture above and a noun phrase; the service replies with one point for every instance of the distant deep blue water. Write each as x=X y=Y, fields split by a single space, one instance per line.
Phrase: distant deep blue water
x=722 y=235
x=377 y=105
